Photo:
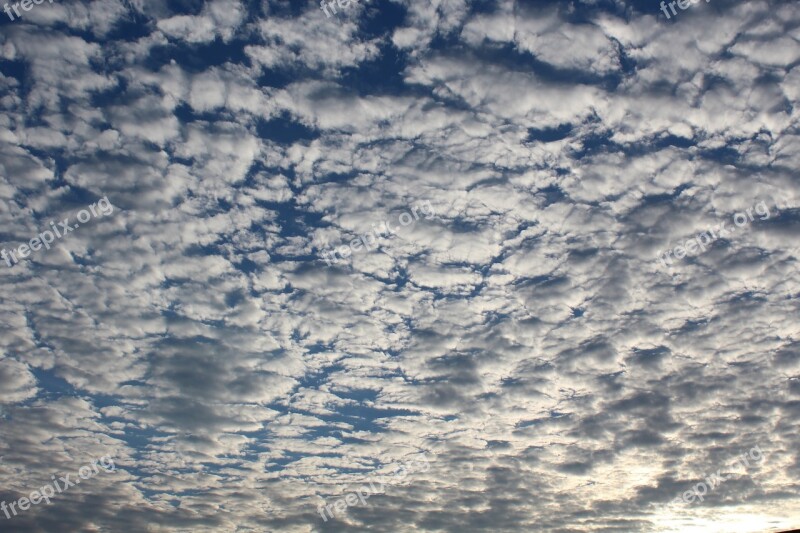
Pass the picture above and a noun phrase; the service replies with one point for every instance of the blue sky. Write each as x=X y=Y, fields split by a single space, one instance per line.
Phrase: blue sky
x=523 y=333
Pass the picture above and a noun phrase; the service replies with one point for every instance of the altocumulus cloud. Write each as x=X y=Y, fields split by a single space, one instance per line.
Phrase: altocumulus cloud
x=524 y=338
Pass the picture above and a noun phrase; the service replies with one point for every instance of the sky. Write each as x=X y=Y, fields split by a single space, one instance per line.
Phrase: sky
x=399 y=266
